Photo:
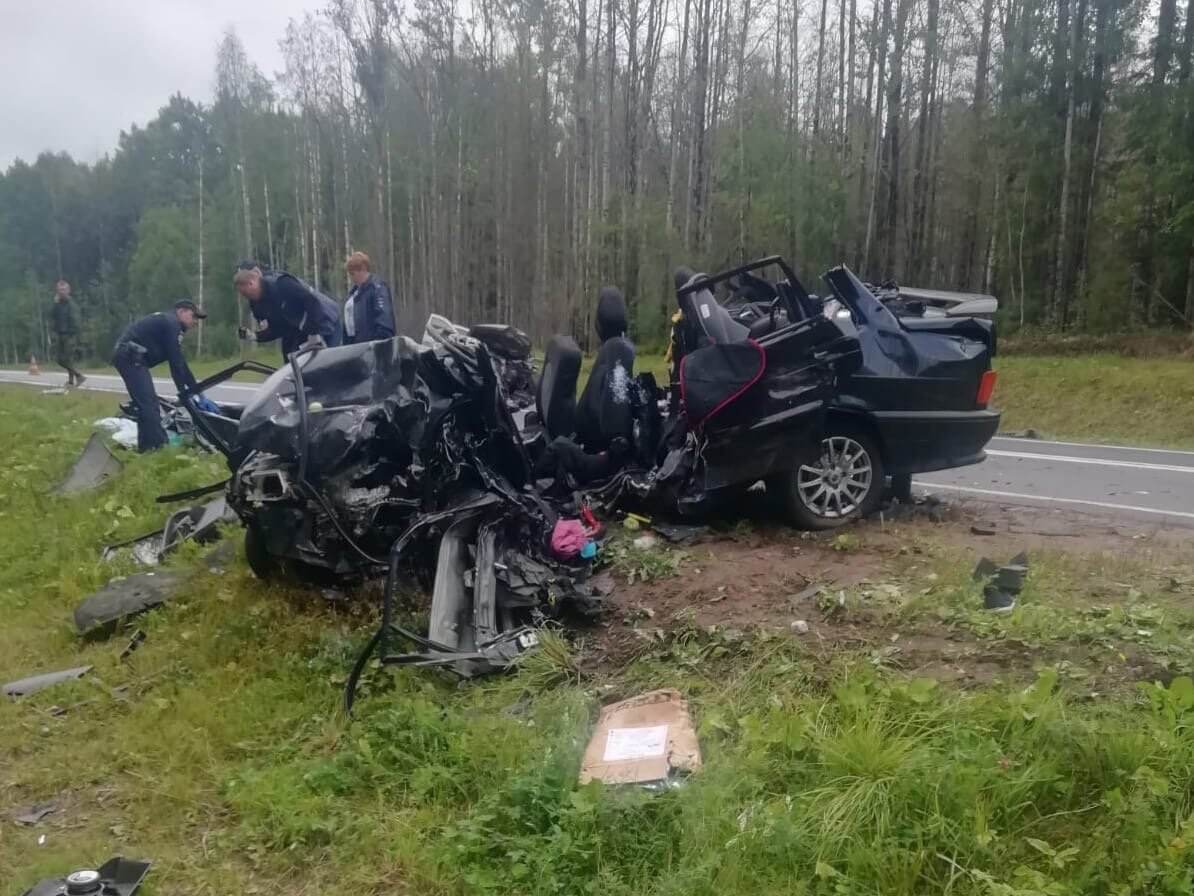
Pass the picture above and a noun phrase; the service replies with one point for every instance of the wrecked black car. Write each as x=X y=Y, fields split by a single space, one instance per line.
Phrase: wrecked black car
x=402 y=460
x=917 y=402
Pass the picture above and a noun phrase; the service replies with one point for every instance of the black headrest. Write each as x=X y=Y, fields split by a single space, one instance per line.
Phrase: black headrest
x=556 y=397
x=682 y=276
x=702 y=309
x=611 y=313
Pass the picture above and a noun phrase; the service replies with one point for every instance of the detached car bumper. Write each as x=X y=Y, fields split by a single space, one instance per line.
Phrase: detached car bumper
x=924 y=441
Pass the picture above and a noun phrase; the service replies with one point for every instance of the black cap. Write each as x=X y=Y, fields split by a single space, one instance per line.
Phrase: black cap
x=188 y=305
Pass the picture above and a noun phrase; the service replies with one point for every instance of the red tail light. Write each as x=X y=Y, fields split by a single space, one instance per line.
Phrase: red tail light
x=986 y=387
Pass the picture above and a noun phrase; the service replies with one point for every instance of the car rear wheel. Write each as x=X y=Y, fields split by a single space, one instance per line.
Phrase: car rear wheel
x=845 y=482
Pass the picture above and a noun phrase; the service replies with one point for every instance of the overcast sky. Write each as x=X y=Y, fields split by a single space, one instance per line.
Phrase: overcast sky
x=74 y=73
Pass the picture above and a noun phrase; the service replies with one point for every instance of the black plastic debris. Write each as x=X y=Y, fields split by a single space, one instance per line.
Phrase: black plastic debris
x=125 y=597
x=135 y=642
x=95 y=464
x=1003 y=584
x=116 y=877
x=35 y=813
x=35 y=683
x=679 y=533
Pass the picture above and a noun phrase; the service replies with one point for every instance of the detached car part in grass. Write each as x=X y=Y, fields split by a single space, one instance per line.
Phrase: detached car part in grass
x=116 y=877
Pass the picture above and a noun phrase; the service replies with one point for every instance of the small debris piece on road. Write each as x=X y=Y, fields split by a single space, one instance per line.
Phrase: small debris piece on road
x=800 y=627
x=648 y=739
x=35 y=683
x=116 y=877
x=96 y=464
x=983 y=529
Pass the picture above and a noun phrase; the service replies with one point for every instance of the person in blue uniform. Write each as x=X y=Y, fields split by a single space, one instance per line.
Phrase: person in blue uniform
x=368 y=310
x=286 y=309
x=143 y=345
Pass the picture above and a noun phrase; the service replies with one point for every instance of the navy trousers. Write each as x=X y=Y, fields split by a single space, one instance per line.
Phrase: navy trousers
x=139 y=382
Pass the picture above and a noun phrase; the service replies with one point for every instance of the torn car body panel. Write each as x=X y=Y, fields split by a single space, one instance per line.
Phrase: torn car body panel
x=919 y=383
x=95 y=464
x=34 y=683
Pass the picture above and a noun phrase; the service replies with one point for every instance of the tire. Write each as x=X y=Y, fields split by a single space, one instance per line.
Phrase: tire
x=263 y=564
x=844 y=483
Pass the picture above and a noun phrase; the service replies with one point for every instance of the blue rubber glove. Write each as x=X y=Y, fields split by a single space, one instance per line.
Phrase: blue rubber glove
x=205 y=404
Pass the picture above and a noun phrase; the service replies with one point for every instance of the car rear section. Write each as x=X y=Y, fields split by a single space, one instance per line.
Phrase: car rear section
x=918 y=402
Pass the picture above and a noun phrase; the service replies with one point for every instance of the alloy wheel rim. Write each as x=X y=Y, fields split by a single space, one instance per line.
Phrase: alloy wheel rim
x=835 y=486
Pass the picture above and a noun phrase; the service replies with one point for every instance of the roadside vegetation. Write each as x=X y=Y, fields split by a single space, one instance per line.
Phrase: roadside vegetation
x=218 y=748
x=1099 y=398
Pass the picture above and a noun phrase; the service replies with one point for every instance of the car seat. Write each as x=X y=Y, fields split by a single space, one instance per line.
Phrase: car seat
x=605 y=411
x=555 y=399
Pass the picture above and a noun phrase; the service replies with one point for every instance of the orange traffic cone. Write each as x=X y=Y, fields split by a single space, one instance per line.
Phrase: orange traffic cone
x=34 y=370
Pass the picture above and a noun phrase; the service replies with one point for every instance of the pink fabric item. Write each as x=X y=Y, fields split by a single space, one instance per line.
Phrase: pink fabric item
x=568 y=537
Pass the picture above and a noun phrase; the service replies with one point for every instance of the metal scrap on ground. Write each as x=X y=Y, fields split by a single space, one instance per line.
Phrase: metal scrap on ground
x=35 y=683
x=199 y=523
x=95 y=464
x=1002 y=584
x=122 y=598
x=35 y=813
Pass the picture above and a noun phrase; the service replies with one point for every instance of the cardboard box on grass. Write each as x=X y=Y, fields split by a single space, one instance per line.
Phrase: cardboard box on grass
x=643 y=740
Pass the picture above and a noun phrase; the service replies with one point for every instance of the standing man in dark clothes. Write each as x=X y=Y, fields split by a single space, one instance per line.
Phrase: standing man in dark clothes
x=291 y=311
x=142 y=346
x=66 y=333
x=368 y=310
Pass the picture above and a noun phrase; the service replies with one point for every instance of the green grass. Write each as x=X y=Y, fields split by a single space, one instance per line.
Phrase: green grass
x=1102 y=398
x=227 y=762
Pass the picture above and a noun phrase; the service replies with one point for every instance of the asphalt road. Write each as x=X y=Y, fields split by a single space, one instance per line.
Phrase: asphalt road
x=1130 y=483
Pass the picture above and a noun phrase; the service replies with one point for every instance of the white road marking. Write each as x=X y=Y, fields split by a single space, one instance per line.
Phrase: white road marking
x=1096 y=461
x=1042 y=442
x=101 y=382
x=1107 y=505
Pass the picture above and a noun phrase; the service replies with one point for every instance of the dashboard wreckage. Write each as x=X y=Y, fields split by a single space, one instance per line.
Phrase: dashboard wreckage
x=449 y=463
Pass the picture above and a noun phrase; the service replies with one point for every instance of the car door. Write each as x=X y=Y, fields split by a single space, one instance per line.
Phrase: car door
x=779 y=416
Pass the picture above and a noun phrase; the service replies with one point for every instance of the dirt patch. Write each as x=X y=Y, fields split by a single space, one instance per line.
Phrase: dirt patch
x=844 y=593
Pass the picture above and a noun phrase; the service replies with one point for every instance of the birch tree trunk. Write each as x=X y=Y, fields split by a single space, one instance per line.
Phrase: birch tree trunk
x=1060 y=303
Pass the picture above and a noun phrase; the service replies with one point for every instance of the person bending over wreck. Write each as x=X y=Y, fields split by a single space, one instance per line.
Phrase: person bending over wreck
x=145 y=344
x=286 y=309
x=369 y=309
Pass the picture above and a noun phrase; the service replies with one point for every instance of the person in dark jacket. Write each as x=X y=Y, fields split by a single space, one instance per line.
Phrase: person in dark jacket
x=286 y=308
x=66 y=333
x=369 y=309
x=144 y=344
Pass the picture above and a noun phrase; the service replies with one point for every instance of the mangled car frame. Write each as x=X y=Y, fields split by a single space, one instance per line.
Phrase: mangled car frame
x=448 y=463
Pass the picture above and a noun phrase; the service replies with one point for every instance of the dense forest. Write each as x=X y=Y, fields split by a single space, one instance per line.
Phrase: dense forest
x=501 y=161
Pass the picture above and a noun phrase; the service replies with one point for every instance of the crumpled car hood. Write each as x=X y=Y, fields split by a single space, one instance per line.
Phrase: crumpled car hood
x=351 y=392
